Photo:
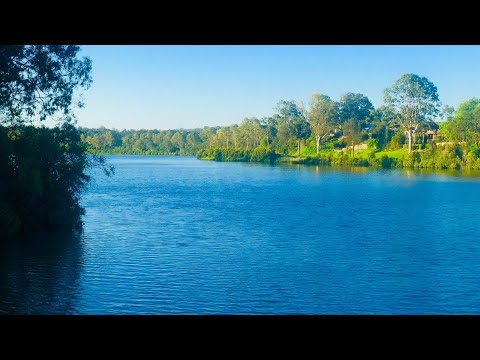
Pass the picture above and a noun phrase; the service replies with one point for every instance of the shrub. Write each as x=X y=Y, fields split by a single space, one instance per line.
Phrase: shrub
x=44 y=171
x=372 y=143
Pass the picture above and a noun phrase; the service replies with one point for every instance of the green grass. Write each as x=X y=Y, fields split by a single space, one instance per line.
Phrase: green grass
x=397 y=154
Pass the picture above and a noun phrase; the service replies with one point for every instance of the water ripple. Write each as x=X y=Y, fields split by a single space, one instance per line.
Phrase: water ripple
x=182 y=236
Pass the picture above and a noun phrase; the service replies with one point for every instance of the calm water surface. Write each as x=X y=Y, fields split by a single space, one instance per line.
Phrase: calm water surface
x=175 y=235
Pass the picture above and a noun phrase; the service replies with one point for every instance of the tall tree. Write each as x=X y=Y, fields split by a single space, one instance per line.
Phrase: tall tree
x=288 y=109
x=353 y=130
x=293 y=121
x=321 y=116
x=300 y=129
x=465 y=125
x=354 y=106
x=269 y=124
x=415 y=100
x=383 y=125
x=37 y=81
x=447 y=113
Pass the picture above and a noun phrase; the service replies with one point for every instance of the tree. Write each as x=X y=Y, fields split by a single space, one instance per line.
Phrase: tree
x=465 y=125
x=415 y=100
x=321 y=116
x=447 y=112
x=37 y=81
x=288 y=109
x=177 y=140
x=352 y=130
x=355 y=111
x=192 y=140
x=292 y=121
x=44 y=169
x=251 y=132
x=269 y=124
x=235 y=131
x=383 y=125
x=300 y=129
x=354 y=106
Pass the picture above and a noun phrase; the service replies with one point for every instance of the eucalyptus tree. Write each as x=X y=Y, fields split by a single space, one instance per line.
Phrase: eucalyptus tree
x=269 y=125
x=37 y=81
x=293 y=121
x=251 y=132
x=352 y=130
x=300 y=129
x=235 y=135
x=322 y=116
x=383 y=125
x=448 y=112
x=355 y=106
x=415 y=100
x=354 y=112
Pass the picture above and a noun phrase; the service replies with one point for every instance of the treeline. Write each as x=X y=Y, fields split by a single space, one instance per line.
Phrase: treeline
x=411 y=118
x=146 y=142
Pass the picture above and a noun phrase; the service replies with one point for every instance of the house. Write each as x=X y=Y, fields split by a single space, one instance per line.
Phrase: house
x=431 y=134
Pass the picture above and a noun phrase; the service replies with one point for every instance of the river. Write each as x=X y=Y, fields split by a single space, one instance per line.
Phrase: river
x=176 y=235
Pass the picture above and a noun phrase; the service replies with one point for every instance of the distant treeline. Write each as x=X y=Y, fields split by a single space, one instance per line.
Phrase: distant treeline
x=326 y=132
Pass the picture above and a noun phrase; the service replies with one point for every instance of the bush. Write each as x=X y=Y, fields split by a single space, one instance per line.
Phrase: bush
x=44 y=172
x=397 y=142
x=386 y=162
x=372 y=143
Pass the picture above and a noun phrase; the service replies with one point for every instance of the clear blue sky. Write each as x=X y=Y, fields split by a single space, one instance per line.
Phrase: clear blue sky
x=168 y=87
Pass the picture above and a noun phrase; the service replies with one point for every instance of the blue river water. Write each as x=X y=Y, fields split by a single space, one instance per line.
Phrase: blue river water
x=175 y=235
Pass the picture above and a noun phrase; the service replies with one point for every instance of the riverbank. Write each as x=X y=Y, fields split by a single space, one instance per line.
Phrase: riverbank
x=449 y=156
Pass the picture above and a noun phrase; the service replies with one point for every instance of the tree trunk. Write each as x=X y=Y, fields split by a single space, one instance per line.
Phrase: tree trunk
x=318 y=143
x=409 y=141
x=298 y=141
x=353 y=148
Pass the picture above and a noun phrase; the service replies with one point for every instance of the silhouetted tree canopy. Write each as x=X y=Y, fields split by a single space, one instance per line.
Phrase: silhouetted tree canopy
x=42 y=170
x=37 y=81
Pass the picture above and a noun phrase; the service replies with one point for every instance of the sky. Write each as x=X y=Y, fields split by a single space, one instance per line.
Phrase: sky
x=171 y=87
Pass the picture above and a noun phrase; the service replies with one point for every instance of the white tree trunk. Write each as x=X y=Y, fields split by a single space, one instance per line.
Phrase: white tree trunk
x=298 y=147
x=318 y=143
x=409 y=133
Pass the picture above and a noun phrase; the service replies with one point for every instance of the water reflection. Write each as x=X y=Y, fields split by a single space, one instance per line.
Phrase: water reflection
x=39 y=274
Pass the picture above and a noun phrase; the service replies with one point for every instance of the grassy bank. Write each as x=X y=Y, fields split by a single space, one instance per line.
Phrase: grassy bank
x=456 y=157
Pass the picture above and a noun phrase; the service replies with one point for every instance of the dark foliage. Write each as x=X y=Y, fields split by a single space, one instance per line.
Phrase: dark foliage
x=42 y=175
x=42 y=170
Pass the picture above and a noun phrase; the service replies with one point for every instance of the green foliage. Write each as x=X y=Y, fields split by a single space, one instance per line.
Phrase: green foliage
x=260 y=154
x=322 y=117
x=355 y=106
x=39 y=80
x=397 y=142
x=387 y=162
x=414 y=100
x=44 y=172
x=465 y=125
x=372 y=143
